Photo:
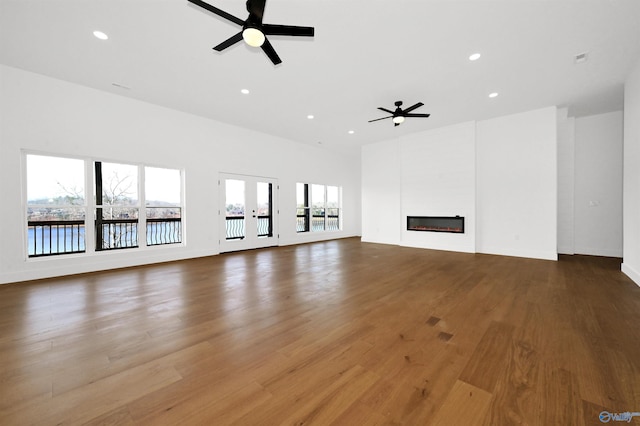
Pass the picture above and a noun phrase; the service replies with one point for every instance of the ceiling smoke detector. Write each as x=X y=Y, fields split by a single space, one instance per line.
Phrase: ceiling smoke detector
x=581 y=57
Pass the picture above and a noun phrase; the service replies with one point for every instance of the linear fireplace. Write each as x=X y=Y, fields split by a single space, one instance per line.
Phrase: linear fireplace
x=454 y=224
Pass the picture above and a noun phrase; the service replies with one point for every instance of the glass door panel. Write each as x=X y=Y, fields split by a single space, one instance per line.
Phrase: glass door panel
x=264 y=212
x=234 y=204
x=248 y=221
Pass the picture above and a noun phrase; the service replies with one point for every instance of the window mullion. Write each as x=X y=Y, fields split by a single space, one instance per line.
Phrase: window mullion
x=90 y=208
x=99 y=229
x=307 y=209
x=142 y=209
x=326 y=208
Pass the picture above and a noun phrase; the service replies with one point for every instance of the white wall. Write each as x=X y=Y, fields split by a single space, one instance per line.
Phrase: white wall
x=517 y=185
x=631 y=208
x=430 y=173
x=500 y=173
x=381 y=202
x=40 y=114
x=598 y=185
x=438 y=179
x=566 y=182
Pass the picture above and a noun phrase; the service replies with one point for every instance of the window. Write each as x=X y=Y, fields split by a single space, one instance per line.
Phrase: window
x=163 y=206
x=318 y=208
x=303 y=220
x=333 y=208
x=117 y=205
x=57 y=205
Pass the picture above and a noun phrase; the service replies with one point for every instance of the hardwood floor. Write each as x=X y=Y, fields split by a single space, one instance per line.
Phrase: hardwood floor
x=338 y=332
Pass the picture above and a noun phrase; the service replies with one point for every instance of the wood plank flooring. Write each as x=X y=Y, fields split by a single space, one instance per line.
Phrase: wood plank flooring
x=338 y=332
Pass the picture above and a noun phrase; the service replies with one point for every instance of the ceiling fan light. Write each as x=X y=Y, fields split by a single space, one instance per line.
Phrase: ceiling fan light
x=398 y=119
x=253 y=37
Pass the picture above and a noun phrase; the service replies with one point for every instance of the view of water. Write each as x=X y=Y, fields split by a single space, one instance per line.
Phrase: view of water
x=47 y=240
x=54 y=240
x=58 y=239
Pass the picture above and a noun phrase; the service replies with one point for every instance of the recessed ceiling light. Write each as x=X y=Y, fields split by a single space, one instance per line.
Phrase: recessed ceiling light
x=351 y=132
x=493 y=95
x=474 y=57
x=310 y=117
x=100 y=35
x=244 y=91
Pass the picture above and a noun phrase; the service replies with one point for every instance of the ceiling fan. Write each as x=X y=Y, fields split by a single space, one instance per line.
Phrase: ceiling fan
x=254 y=32
x=399 y=114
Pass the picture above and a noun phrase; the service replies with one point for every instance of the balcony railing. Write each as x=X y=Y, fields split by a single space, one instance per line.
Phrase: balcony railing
x=117 y=234
x=52 y=237
x=235 y=227
x=318 y=223
x=164 y=231
x=55 y=237
x=123 y=233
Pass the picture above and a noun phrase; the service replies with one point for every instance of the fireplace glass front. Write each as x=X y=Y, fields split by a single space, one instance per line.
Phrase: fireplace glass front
x=454 y=224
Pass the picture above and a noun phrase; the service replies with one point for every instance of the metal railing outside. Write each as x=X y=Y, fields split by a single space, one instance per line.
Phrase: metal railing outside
x=119 y=234
x=235 y=227
x=57 y=237
x=164 y=231
x=53 y=237
x=318 y=223
x=123 y=233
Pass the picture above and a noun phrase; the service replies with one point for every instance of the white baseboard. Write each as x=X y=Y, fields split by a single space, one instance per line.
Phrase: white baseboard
x=529 y=254
x=595 y=251
x=51 y=266
x=631 y=273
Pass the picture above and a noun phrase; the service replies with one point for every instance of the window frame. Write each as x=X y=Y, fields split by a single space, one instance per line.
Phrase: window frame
x=131 y=225
x=149 y=229
x=325 y=208
x=27 y=206
x=306 y=208
x=91 y=206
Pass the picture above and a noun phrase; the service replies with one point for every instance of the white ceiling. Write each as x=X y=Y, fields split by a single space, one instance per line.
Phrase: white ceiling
x=365 y=54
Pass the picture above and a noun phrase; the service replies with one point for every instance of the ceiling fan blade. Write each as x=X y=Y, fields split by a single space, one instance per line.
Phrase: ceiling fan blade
x=256 y=10
x=378 y=119
x=385 y=110
x=218 y=12
x=416 y=115
x=271 y=52
x=288 y=30
x=411 y=108
x=229 y=42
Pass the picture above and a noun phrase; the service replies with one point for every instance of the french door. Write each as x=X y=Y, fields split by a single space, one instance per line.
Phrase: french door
x=248 y=212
